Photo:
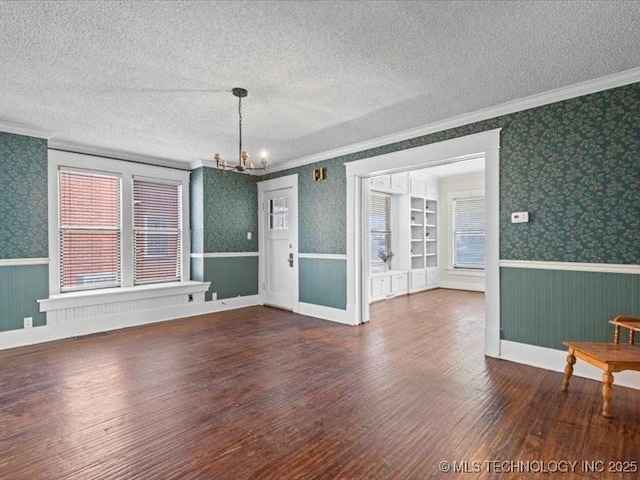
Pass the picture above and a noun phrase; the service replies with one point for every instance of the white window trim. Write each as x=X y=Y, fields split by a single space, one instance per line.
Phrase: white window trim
x=467 y=272
x=451 y=197
x=127 y=171
x=393 y=232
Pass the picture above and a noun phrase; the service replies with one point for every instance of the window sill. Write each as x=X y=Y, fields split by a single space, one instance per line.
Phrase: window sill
x=467 y=272
x=120 y=294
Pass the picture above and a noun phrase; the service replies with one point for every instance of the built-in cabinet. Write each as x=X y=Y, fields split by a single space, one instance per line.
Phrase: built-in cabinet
x=416 y=244
x=393 y=183
x=388 y=284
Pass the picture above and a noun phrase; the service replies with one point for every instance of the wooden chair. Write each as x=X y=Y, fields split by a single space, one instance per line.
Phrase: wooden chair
x=609 y=357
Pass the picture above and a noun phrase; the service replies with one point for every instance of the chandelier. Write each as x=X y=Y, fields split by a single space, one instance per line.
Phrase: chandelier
x=244 y=165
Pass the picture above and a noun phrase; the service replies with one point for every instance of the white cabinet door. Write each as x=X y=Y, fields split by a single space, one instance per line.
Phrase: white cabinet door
x=418 y=279
x=380 y=286
x=376 y=287
x=399 y=283
x=431 y=191
x=433 y=275
x=382 y=182
x=399 y=182
x=386 y=285
x=417 y=188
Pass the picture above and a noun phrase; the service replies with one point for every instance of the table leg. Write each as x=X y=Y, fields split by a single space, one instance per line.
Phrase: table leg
x=607 y=392
x=568 y=370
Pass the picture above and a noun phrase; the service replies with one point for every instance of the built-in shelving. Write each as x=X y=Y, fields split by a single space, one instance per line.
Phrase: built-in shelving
x=424 y=238
x=414 y=230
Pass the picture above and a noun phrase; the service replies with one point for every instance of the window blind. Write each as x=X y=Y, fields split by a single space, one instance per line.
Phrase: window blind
x=468 y=233
x=90 y=230
x=157 y=232
x=380 y=227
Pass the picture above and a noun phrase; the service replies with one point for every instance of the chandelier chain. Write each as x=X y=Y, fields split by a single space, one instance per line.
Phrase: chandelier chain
x=240 y=127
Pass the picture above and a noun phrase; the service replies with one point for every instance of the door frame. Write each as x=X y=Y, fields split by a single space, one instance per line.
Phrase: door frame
x=448 y=151
x=280 y=183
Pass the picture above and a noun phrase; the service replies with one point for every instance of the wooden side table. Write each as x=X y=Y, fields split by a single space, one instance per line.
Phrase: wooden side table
x=609 y=357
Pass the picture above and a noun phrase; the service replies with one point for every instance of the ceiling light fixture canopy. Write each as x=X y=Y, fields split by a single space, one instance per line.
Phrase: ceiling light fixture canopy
x=244 y=165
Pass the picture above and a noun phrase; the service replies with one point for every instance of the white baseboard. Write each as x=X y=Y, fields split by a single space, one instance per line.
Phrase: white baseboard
x=325 y=313
x=47 y=333
x=232 y=303
x=456 y=285
x=432 y=286
x=555 y=360
x=491 y=341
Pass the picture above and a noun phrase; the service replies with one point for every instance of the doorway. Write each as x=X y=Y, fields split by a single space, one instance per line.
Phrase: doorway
x=278 y=242
x=462 y=148
x=431 y=220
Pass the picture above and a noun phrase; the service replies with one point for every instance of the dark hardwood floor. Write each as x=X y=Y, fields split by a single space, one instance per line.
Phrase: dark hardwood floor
x=261 y=393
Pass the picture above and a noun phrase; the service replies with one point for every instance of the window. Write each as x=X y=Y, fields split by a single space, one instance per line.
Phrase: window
x=468 y=233
x=157 y=235
x=90 y=230
x=115 y=223
x=380 y=227
x=278 y=214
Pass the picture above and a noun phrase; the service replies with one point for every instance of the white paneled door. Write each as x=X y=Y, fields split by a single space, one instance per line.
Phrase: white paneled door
x=279 y=246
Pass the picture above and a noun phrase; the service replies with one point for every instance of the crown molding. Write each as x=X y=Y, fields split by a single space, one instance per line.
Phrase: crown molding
x=202 y=163
x=620 y=79
x=117 y=154
x=26 y=130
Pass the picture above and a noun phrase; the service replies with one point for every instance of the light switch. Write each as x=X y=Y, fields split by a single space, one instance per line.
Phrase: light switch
x=519 y=217
x=248 y=235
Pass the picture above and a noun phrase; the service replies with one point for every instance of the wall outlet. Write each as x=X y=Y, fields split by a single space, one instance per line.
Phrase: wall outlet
x=28 y=322
x=519 y=217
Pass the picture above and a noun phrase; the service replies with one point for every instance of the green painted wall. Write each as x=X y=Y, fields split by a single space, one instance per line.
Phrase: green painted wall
x=323 y=282
x=23 y=197
x=544 y=307
x=20 y=288
x=229 y=276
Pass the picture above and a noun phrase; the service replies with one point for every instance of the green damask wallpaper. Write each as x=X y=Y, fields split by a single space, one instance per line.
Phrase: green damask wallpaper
x=229 y=209
x=322 y=218
x=23 y=197
x=574 y=165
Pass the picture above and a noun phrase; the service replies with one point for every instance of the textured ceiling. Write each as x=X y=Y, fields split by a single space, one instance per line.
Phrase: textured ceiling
x=154 y=77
